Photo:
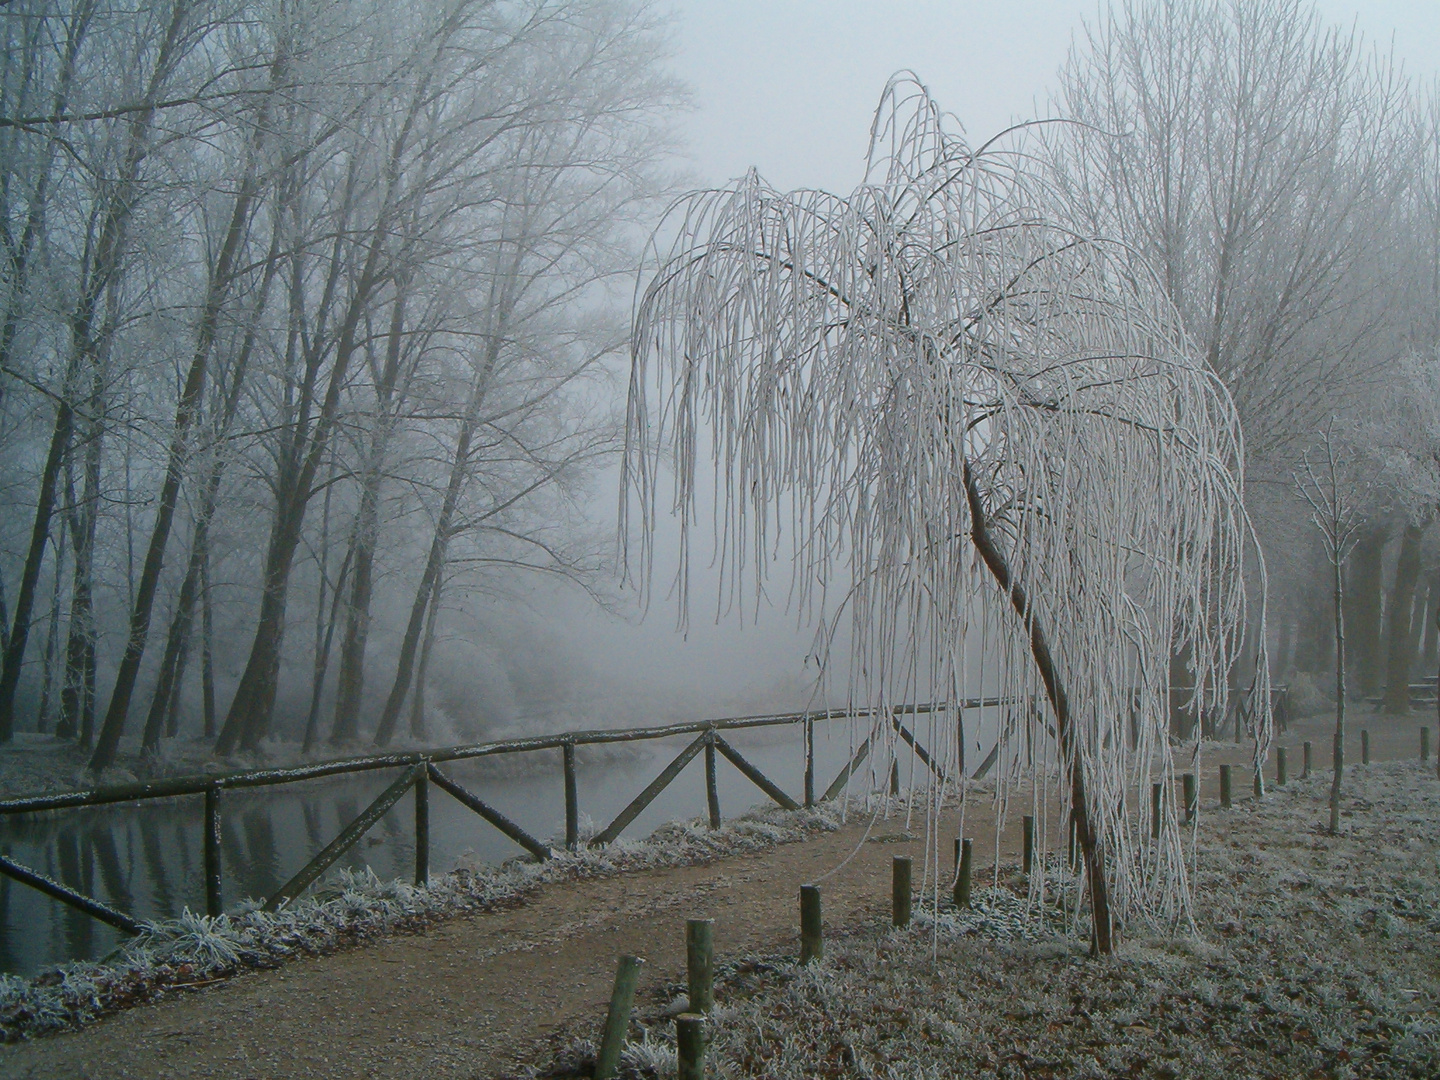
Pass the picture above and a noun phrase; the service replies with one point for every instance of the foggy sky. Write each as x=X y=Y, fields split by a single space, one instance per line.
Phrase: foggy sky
x=789 y=86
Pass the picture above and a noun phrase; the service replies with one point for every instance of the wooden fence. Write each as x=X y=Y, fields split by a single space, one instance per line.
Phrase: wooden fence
x=419 y=769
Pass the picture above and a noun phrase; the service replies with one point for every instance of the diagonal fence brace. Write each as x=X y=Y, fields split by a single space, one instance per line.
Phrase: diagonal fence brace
x=346 y=840
x=988 y=762
x=659 y=784
x=838 y=784
x=489 y=813
x=66 y=895
x=920 y=751
x=755 y=775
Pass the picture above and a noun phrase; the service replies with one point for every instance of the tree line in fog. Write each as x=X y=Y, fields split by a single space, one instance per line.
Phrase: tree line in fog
x=312 y=308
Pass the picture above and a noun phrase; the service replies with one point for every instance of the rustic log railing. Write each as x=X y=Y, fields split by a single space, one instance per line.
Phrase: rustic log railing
x=421 y=768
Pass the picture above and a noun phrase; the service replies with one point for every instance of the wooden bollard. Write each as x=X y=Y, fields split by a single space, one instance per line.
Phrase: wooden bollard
x=1225 y=787
x=894 y=778
x=900 y=869
x=812 y=944
x=690 y=1046
x=1424 y=744
x=1192 y=799
x=1281 y=769
x=1157 y=795
x=617 y=1020
x=1305 y=761
x=1027 y=858
x=700 y=963
x=1364 y=747
x=962 y=872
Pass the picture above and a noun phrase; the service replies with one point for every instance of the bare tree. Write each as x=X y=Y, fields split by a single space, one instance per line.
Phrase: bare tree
x=1253 y=156
x=1333 y=500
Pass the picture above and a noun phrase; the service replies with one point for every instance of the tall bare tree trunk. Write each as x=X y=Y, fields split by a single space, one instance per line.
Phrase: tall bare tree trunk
x=1402 y=602
x=1364 y=602
x=350 y=681
x=422 y=668
x=186 y=411
x=85 y=348
x=1339 y=699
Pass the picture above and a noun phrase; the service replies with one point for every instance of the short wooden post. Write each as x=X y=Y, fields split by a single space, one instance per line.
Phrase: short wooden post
x=1282 y=772
x=617 y=1020
x=1424 y=744
x=1192 y=798
x=1157 y=796
x=900 y=870
x=214 y=905
x=700 y=963
x=1259 y=783
x=422 y=828
x=1027 y=859
x=895 y=777
x=690 y=1046
x=1225 y=787
x=572 y=798
x=812 y=944
x=712 y=789
x=809 y=761
x=1305 y=761
x=962 y=872
x=1364 y=747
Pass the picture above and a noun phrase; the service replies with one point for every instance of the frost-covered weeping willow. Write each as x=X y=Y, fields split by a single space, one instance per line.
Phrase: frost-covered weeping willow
x=985 y=440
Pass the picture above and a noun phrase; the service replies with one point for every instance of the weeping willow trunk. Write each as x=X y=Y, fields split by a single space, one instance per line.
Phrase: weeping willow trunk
x=1064 y=724
x=931 y=388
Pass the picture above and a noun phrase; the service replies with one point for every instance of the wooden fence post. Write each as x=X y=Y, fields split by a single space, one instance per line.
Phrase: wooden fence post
x=962 y=873
x=690 y=1046
x=422 y=828
x=1192 y=798
x=1225 y=787
x=1027 y=849
x=572 y=798
x=1364 y=747
x=712 y=788
x=1305 y=761
x=1157 y=795
x=812 y=943
x=214 y=904
x=700 y=963
x=1281 y=767
x=617 y=1020
x=900 y=871
x=1424 y=744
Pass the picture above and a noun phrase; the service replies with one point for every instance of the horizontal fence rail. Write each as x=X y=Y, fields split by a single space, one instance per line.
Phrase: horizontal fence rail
x=421 y=768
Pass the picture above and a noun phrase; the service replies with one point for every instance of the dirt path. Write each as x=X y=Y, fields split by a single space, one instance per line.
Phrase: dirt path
x=478 y=996
x=474 y=996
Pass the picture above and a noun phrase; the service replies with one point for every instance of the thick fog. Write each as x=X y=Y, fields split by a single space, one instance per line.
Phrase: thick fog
x=316 y=347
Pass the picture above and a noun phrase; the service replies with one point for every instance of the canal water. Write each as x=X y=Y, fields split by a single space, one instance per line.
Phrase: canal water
x=147 y=859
